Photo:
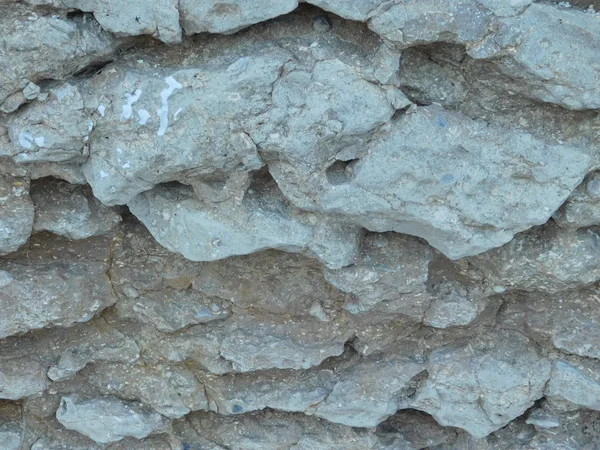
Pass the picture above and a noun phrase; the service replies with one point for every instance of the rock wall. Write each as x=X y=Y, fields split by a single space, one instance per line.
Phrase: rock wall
x=345 y=225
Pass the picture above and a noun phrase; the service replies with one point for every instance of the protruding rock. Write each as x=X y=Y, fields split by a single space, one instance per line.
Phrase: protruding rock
x=20 y=378
x=53 y=283
x=70 y=211
x=37 y=46
x=466 y=197
x=16 y=213
x=582 y=208
x=108 y=419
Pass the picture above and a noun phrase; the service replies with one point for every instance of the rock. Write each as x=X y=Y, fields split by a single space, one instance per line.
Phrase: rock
x=574 y=386
x=582 y=208
x=262 y=221
x=178 y=115
x=568 y=321
x=11 y=434
x=20 y=378
x=70 y=211
x=215 y=17
x=53 y=284
x=170 y=390
x=542 y=419
x=107 y=419
x=545 y=259
x=16 y=213
x=462 y=202
x=53 y=131
x=39 y=46
x=391 y=268
x=484 y=385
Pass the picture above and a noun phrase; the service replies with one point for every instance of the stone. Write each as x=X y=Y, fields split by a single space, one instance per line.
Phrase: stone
x=52 y=131
x=484 y=385
x=262 y=221
x=11 y=434
x=39 y=46
x=573 y=386
x=582 y=208
x=70 y=211
x=16 y=213
x=107 y=420
x=54 y=284
x=436 y=199
x=20 y=378
x=391 y=268
x=217 y=17
x=546 y=259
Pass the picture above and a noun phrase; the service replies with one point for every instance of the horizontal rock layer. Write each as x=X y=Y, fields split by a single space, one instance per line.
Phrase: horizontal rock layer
x=334 y=225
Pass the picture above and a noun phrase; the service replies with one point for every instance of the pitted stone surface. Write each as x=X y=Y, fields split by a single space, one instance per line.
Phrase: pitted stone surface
x=317 y=225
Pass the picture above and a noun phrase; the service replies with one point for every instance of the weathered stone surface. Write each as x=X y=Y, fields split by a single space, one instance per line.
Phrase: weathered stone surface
x=70 y=211
x=546 y=259
x=463 y=201
x=582 y=208
x=53 y=283
x=16 y=214
x=20 y=377
x=217 y=259
x=262 y=221
x=484 y=385
x=107 y=419
x=37 y=46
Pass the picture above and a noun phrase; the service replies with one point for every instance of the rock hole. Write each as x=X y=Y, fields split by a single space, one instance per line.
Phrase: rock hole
x=341 y=172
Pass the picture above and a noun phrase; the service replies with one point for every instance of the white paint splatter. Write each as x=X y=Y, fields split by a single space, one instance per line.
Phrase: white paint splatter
x=177 y=113
x=103 y=174
x=101 y=110
x=39 y=141
x=26 y=140
x=90 y=126
x=127 y=165
x=144 y=116
x=119 y=150
x=127 y=107
x=163 y=112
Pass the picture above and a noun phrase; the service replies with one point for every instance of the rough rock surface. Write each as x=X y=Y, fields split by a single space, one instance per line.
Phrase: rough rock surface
x=319 y=225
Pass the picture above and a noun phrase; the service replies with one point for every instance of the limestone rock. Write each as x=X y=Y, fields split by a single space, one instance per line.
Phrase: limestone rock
x=546 y=259
x=53 y=284
x=53 y=131
x=484 y=385
x=582 y=208
x=463 y=201
x=199 y=16
x=107 y=419
x=16 y=214
x=20 y=378
x=262 y=221
x=70 y=211
x=572 y=386
x=38 y=46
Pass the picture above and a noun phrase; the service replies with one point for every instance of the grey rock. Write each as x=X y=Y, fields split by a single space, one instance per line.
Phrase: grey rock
x=391 y=268
x=70 y=211
x=582 y=208
x=573 y=386
x=107 y=419
x=20 y=378
x=462 y=202
x=218 y=17
x=52 y=131
x=168 y=389
x=542 y=419
x=484 y=385
x=54 y=284
x=16 y=213
x=545 y=259
x=263 y=220
x=37 y=46
x=11 y=434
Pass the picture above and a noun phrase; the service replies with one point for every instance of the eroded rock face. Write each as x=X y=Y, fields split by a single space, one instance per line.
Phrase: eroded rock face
x=339 y=225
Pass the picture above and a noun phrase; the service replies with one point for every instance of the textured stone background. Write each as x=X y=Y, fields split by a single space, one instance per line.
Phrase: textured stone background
x=259 y=225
